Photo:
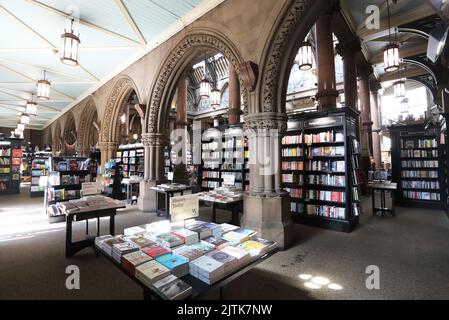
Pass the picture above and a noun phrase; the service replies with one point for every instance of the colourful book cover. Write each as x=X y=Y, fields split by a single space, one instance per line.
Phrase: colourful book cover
x=172 y=261
x=155 y=251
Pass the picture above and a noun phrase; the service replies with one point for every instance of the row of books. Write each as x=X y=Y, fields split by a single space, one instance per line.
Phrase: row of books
x=292 y=178
x=327 y=136
x=410 y=153
x=238 y=154
x=294 y=165
x=297 y=139
x=128 y=153
x=297 y=207
x=231 y=143
x=355 y=194
x=210 y=184
x=232 y=166
x=5 y=152
x=420 y=143
x=62 y=194
x=419 y=174
x=210 y=146
x=211 y=174
x=294 y=193
x=333 y=196
x=421 y=195
x=426 y=184
x=333 y=166
x=69 y=165
x=131 y=160
x=215 y=155
x=326 y=211
x=237 y=175
x=5 y=170
x=419 y=163
x=326 y=180
x=325 y=151
x=292 y=152
x=5 y=161
x=222 y=194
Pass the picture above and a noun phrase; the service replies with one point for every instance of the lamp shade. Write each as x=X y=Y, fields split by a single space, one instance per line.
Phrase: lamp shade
x=18 y=132
x=69 y=51
x=404 y=106
x=20 y=127
x=391 y=57
x=304 y=56
x=31 y=108
x=43 y=89
x=205 y=89
x=215 y=98
x=25 y=119
x=399 y=89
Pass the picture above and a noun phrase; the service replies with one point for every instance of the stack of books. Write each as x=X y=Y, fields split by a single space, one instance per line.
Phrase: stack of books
x=139 y=241
x=229 y=262
x=188 y=236
x=173 y=288
x=100 y=239
x=120 y=249
x=106 y=245
x=239 y=236
x=179 y=266
x=204 y=246
x=150 y=272
x=200 y=228
x=169 y=240
x=215 y=229
x=155 y=251
x=188 y=252
x=218 y=243
x=243 y=257
x=131 y=260
x=254 y=248
x=226 y=227
x=207 y=269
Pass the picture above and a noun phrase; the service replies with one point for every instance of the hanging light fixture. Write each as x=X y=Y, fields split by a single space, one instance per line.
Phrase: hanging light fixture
x=43 y=88
x=399 y=89
x=205 y=88
x=215 y=98
x=17 y=132
x=31 y=107
x=24 y=119
x=391 y=51
x=304 y=57
x=20 y=127
x=70 y=44
x=404 y=106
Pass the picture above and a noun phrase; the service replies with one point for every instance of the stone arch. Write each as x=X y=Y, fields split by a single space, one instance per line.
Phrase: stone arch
x=87 y=132
x=292 y=26
x=69 y=137
x=57 y=139
x=122 y=90
x=197 y=41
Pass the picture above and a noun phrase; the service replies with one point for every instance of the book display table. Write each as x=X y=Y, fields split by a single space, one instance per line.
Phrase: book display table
x=166 y=191
x=99 y=208
x=383 y=188
x=199 y=288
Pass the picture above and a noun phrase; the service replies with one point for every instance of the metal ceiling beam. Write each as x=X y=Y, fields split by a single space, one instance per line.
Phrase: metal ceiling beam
x=131 y=22
x=81 y=21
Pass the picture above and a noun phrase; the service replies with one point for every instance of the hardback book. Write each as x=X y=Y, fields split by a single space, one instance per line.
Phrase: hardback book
x=229 y=262
x=243 y=257
x=207 y=267
x=106 y=245
x=187 y=235
x=140 y=241
x=215 y=229
x=201 y=228
x=226 y=227
x=218 y=243
x=253 y=247
x=205 y=247
x=173 y=288
x=131 y=260
x=120 y=249
x=169 y=240
x=150 y=272
x=188 y=252
x=178 y=265
x=99 y=239
x=155 y=251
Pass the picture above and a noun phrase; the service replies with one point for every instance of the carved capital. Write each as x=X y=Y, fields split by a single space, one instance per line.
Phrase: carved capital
x=249 y=72
x=266 y=121
x=154 y=139
x=107 y=146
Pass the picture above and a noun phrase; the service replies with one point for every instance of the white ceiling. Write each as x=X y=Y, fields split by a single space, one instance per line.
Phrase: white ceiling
x=112 y=32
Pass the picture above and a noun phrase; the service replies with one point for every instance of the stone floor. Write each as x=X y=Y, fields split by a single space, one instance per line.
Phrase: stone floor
x=410 y=250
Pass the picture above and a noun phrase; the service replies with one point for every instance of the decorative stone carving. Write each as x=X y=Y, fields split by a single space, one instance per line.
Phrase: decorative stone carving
x=249 y=72
x=107 y=146
x=266 y=121
x=154 y=139
x=208 y=39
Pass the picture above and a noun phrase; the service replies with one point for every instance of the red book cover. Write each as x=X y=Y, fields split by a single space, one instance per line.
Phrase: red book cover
x=155 y=251
x=16 y=161
x=128 y=266
x=17 y=153
x=335 y=197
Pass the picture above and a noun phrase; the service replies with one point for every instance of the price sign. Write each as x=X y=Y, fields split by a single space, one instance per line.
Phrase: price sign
x=170 y=176
x=91 y=188
x=184 y=207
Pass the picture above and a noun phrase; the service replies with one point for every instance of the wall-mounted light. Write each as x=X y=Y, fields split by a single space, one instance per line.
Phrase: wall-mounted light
x=70 y=43
x=43 y=88
x=304 y=57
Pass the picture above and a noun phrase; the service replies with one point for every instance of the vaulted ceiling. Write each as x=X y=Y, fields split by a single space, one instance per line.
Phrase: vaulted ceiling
x=113 y=33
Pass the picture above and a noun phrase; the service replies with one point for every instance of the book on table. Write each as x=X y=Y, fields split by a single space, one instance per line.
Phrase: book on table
x=218 y=243
x=229 y=262
x=120 y=249
x=140 y=241
x=188 y=252
x=173 y=288
x=155 y=251
x=178 y=265
x=187 y=235
x=131 y=260
x=207 y=269
x=150 y=272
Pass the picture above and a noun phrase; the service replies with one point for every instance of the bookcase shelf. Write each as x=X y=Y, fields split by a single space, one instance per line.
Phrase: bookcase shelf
x=414 y=145
x=323 y=175
x=10 y=160
x=132 y=158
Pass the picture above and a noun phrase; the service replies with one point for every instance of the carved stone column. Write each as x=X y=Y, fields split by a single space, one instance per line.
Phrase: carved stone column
x=266 y=205
x=108 y=150
x=153 y=170
x=327 y=92
x=234 y=97
x=180 y=174
x=376 y=130
x=347 y=51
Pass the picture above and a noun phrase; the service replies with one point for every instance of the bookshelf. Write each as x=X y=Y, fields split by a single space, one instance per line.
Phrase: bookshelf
x=10 y=161
x=132 y=157
x=416 y=159
x=65 y=177
x=167 y=162
x=320 y=162
x=444 y=149
x=39 y=173
x=224 y=153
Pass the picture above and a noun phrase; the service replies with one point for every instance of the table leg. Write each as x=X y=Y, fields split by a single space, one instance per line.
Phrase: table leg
x=393 y=209
x=167 y=205
x=382 y=199
x=68 y=236
x=98 y=227
x=373 y=200
x=87 y=227
x=112 y=224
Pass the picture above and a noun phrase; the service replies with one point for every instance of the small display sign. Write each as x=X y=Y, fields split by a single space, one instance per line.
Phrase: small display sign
x=184 y=207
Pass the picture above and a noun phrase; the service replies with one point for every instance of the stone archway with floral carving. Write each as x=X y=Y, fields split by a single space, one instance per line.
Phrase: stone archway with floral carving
x=110 y=130
x=57 y=140
x=192 y=45
x=87 y=131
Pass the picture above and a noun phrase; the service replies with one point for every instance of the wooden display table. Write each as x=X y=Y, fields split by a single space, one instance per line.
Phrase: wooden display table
x=167 y=193
x=234 y=206
x=389 y=187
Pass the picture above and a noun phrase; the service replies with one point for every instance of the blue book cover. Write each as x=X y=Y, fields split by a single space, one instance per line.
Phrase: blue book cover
x=172 y=261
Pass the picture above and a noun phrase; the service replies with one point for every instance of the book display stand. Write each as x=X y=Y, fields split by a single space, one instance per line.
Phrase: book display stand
x=132 y=157
x=10 y=161
x=39 y=173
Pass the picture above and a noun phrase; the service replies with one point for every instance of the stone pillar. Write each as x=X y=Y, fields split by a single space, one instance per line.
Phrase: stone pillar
x=153 y=145
x=376 y=130
x=266 y=205
x=180 y=174
x=327 y=92
x=348 y=50
x=366 y=140
x=107 y=150
x=234 y=110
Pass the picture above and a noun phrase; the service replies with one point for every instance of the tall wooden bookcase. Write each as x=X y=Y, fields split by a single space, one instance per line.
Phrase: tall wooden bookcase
x=320 y=163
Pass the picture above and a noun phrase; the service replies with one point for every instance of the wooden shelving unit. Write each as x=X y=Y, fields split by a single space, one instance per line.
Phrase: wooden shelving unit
x=10 y=161
x=132 y=157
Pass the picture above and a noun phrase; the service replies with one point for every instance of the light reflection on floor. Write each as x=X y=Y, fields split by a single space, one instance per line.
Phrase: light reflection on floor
x=319 y=282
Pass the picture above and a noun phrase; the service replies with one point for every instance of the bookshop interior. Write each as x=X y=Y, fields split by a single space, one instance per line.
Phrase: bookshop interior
x=224 y=149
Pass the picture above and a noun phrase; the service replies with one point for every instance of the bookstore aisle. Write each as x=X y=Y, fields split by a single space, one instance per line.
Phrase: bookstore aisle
x=410 y=250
